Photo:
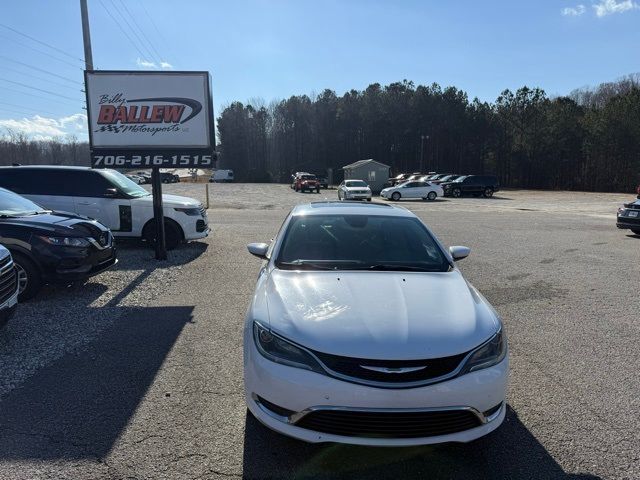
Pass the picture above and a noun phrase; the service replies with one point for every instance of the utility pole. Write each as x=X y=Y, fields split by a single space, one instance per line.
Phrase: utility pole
x=86 y=36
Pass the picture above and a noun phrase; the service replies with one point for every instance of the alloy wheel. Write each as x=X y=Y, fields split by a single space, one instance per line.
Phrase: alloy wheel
x=23 y=278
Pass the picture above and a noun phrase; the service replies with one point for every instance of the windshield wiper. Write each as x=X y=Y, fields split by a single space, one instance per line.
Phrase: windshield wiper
x=390 y=267
x=318 y=264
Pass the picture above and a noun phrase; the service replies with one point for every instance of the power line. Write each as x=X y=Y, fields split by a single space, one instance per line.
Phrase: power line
x=38 y=89
x=40 y=42
x=121 y=29
x=29 y=75
x=133 y=30
x=160 y=35
x=142 y=32
x=40 y=70
x=63 y=102
x=37 y=110
x=40 y=51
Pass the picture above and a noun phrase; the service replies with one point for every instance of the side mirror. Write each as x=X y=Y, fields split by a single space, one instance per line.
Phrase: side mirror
x=111 y=192
x=258 y=249
x=459 y=252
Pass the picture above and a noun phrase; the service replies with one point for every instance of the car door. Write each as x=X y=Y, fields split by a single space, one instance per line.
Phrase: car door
x=411 y=190
x=471 y=185
x=95 y=197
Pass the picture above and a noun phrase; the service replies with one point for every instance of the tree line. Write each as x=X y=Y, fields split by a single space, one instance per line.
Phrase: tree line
x=18 y=148
x=587 y=140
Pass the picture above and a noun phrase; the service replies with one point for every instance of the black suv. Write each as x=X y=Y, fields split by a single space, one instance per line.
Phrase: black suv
x=475 y=185
x=51 y=246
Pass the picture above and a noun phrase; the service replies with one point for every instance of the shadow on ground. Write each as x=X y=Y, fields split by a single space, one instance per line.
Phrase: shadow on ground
x=511 y=452
x=78 y=406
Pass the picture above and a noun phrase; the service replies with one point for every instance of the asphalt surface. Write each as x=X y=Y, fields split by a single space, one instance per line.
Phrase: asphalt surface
x=138 y=373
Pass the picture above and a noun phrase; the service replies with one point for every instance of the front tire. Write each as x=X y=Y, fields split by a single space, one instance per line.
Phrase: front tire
x=488 y=192
x=432 y=196
x=456 y=192
x=29 y=277
x=396 y=196
x=172 y=234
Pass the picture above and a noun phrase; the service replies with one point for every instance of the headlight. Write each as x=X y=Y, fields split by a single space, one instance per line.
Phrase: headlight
x=279 y=350
x=192 y=212
x=488 y=354
x=66 y=241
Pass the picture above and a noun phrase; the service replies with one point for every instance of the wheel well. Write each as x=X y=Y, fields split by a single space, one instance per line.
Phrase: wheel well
x=167 y=220
x=25 y=253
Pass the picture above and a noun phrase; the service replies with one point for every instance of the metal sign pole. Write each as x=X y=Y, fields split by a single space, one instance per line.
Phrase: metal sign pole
x=158 y=214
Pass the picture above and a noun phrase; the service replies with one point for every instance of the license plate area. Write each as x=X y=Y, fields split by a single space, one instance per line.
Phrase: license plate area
x=632 y=213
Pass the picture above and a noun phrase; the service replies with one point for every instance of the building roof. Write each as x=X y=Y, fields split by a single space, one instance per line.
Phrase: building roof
x=359 y=163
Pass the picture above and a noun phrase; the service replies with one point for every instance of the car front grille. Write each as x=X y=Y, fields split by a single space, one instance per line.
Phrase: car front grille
x=8 y=279
x=396 y=424
x=393 y=373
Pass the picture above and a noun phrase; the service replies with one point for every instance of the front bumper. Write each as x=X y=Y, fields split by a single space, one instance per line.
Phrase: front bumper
x=67 y=264
x=301 y=390
x=628 y=222
x=357 y=196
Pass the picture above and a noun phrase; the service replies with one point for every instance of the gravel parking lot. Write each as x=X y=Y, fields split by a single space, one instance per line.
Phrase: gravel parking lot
x=138 y=372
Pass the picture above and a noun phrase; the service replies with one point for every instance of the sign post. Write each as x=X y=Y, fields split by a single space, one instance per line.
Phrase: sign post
x=140 y=119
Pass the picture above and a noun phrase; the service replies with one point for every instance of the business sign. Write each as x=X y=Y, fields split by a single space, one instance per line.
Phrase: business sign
x=150 y=119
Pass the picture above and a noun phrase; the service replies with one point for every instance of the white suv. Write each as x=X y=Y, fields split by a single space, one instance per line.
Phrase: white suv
x=109 y=197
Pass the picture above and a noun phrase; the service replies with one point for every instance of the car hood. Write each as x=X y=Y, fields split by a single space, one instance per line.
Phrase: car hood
x=58 y=223
x=169 y=201
x=378 y=315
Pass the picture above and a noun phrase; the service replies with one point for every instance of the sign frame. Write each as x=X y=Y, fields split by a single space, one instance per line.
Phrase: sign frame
x=139 y=156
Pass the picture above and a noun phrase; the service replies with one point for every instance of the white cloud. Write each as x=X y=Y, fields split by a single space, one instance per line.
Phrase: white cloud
x=44 y=128
x=574 y=11
x=142 y=63
x=608 y=7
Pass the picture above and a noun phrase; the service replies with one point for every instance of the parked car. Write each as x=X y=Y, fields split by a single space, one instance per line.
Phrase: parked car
x=354 y=190
x=415 y=189
x=638 y=191
x=629 y=216
x=324 y=182
x=445 y=178
x=397 y=179
x=145 y=176
x=362 y=330
x=8 y=286
x=109 y=197
x=51 y=246
x=295 y=176
x=475 y=185
x=306 y=183
x=136 y=178
x=167 y=177
x=222 y=176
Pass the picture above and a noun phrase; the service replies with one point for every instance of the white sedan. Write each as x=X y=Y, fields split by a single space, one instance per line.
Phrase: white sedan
x=413 y=189
x=362 y=330
x=354 y=190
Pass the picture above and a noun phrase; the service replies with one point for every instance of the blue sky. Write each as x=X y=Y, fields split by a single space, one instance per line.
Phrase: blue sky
x=273 y=49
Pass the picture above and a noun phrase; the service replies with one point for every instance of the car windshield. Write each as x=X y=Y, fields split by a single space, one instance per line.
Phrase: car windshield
x=13 y=205
x=124 y=184
x=460 y=179
x=447 y=178
x=360 y=242
x=308 y=177
x=355 y=183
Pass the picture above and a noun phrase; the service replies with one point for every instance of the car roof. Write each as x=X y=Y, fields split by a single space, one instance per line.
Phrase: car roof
x=335 y=207
x=43 y=167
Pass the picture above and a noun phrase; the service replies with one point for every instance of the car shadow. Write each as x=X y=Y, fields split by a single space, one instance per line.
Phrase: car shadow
x=77 y=407
x=511 y=452
x=138 y=255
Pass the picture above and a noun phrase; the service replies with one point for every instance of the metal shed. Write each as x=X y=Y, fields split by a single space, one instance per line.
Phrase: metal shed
x=372 y=172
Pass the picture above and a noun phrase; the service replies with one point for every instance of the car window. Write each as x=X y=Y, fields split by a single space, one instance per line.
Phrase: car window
x=123 y=184
x=13 y=205
x=359 y=242
x=356 y=183
x=39 y=181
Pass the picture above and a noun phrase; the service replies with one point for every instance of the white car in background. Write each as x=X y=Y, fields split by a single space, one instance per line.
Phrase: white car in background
x=354 y=190
x=413 y=189
x=362 y=330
